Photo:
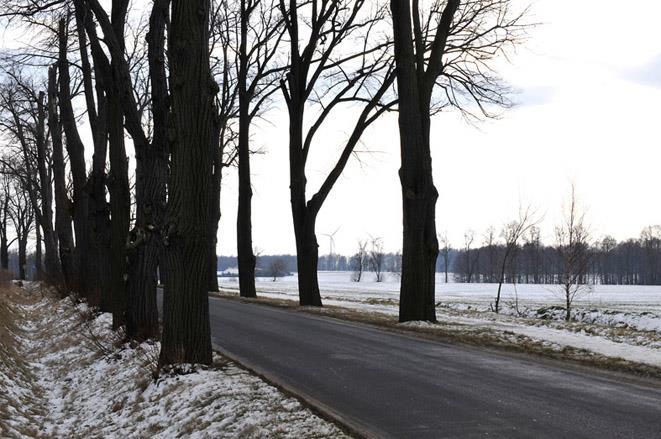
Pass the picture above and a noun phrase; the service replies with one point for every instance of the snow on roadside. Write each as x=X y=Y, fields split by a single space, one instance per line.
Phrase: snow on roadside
x=92 y=385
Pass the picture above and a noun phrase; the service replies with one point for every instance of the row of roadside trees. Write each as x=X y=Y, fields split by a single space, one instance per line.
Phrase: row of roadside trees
x=180 y=84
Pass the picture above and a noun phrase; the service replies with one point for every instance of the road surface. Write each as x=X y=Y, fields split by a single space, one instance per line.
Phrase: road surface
x=391 y=385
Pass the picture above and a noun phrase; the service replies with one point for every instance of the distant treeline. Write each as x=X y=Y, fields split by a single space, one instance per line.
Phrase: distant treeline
x=392 y=262
x=630 y=262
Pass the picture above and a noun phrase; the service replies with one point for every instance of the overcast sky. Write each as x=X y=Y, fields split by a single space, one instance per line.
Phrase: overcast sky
x=589 y=89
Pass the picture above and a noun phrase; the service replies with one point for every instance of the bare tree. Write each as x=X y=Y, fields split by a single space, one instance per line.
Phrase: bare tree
x=23 y=117
x=22 y=217
x=277 y=268
x=342 y=61
x=358 y=261
x=377 y=258
x=470 y=256
x=76 y=152
x=224 y=67
x=4 y=219
x=396 y=265
x=445 y=253
x=63 y=207
x=135 y=302
x=489 y=245
x=512 y=233
x=99 y=267
x=573 y=240
x=261 y=29
x=450 y=49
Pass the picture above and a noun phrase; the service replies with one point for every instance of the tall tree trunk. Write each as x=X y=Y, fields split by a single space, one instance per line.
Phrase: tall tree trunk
x=245 y=255
x=307 y=249
x=4 y=253
x=53 y=270
x=186 y=336
x=146 y=250
x=38 y=258
x=419 y=195
x=62 y=204
x=76 y=151
x=307 y=258
x=120 y=204
x=118 y=180
x=22 y=255
x=214 y=219
x=99 y=211
x=4 y=245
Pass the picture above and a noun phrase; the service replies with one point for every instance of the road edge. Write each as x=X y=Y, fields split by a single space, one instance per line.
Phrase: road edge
x=348 y=426
x=566 y=363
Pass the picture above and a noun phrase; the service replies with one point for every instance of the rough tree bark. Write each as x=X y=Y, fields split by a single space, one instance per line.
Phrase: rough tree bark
x=214 y=215
x=118 y=180
x=419 y=195
x=4 y=246
x=245 y=255
x=52 y=266
x=62 y=203
x=76 y=151
x=38 y=255
x=151 y=177
x=151 y=160
x=99 y=210
x=186 y=336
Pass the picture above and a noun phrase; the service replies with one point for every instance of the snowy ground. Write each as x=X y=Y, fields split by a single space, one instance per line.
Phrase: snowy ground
x=64 y=373
x=612 y=321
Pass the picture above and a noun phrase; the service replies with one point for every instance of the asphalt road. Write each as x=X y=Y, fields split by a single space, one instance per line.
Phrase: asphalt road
x=393 y=385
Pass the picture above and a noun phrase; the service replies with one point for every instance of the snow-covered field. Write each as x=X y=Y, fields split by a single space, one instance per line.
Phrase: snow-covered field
x=66 y=374
x=609 y=320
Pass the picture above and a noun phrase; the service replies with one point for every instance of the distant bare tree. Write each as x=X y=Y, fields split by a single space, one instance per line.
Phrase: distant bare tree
x=377 y=258
x=23 y=119
x=358 y=261
x=650 y=240
x=512 y=233
x=277 y=268
x=396 y=265
x=445 y=253
x=4 y=218
x=489 y=245
x=573 y=241
x=470 y=256
x=22 y=217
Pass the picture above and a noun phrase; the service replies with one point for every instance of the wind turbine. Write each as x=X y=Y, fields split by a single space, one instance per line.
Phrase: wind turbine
x=331 y=239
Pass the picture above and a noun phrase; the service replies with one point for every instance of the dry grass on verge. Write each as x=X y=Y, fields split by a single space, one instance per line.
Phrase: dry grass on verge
x=20 y=397
x=457 y=333
x=82 y=380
